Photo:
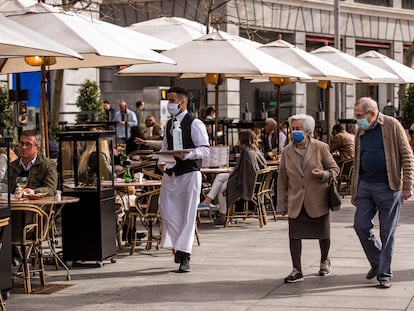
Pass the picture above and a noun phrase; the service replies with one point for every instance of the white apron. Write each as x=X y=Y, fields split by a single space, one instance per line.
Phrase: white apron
x=179 y=198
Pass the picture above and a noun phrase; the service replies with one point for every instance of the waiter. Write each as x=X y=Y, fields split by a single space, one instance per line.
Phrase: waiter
x=181 y=182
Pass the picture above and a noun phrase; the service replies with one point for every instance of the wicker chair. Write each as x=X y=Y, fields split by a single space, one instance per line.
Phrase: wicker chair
x=3 y=223
x=29 y=231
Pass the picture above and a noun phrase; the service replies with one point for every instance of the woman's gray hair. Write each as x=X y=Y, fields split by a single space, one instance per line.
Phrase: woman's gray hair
x=308 y=122
x=368 y=104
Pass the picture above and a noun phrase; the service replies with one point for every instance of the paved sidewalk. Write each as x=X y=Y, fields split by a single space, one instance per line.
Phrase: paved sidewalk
x=241 y=267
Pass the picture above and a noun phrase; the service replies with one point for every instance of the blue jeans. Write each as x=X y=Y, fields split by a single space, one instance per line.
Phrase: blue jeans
x=373 y=197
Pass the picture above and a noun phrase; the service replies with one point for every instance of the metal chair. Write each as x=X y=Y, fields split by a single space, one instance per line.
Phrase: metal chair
x=29 y=231
x=3 y=223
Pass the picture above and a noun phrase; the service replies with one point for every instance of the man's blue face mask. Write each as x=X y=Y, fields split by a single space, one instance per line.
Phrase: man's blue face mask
x=363 y=124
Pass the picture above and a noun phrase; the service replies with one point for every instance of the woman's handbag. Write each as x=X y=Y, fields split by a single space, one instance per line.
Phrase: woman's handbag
x=334 y=199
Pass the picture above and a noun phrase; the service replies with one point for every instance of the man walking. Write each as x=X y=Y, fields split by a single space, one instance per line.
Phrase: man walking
x=181 y=183
x=383 y=178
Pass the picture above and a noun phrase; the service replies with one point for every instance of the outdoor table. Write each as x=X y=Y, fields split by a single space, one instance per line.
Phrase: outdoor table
x=122 y=184
x=52 y=206
x=216 y=170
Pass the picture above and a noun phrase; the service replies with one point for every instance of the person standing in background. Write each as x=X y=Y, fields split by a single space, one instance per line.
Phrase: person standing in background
x=140 y=107
x=389 y=109
x=270 y=141
x=125 y=119
x=383 y=178
x=109 y=111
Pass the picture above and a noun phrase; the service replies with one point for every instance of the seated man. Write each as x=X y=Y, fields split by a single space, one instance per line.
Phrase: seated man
x=40 y=172
x=343 y=143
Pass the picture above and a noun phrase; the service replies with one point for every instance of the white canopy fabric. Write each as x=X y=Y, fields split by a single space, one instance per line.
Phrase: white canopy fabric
x=99 y=43
x=177 y=30
x=217 y=52
x=19 y=41
x=363 y=70
x=405 y=73
x=315 y=67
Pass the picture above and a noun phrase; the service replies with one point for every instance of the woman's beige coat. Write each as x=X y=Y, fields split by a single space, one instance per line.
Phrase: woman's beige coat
x=296 y=187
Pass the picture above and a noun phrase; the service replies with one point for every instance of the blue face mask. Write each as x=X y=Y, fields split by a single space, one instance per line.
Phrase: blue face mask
x=363 y=124
x=298 y=136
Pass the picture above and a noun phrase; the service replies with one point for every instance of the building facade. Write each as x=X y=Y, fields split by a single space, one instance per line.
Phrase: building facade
x=383 y=25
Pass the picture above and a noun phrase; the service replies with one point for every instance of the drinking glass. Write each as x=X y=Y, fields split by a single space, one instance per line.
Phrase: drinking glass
x=21 y=182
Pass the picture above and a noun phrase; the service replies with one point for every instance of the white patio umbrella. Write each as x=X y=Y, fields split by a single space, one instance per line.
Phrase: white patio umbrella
x=315 y=67
x=217 y=55
x=18 y=41
x=177 y=30
x=405 y=73
x=99 y=43
x=364 y=71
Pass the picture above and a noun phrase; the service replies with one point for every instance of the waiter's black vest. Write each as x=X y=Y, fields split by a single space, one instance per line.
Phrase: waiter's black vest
x=182 y=167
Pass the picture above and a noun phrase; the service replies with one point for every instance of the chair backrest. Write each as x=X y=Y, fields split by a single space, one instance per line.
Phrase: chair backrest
x=151 y=174
x=150 y=199
x=346 y=168
x=3 y=222
x=268 y=180
x=30 y=223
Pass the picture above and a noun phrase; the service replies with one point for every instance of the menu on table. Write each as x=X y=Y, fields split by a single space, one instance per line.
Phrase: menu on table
x=218 y=157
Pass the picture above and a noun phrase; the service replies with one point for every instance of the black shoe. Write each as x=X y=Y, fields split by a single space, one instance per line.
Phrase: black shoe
x=384 y=284
x=294 y=276
x=141 y=235
x=178 y=256
x=185 y=264
x=372 y=273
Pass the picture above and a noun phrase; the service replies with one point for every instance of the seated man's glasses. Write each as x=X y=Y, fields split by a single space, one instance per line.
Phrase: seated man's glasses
x=26 y=144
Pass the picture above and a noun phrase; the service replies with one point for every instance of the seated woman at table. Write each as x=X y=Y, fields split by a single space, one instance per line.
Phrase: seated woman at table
x=89 y=161
x=238 y=184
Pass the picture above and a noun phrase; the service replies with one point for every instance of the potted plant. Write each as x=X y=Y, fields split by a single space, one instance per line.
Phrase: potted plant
x=90 y=103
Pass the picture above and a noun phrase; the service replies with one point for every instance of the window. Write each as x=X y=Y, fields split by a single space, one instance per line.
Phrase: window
x=407 y=4
x=378 y=2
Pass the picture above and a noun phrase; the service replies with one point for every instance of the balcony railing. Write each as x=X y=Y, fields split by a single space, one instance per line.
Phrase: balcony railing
x=378 y=2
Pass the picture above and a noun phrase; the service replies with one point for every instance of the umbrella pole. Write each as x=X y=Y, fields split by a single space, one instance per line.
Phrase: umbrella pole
x=44 y=111
x=216 y=102
x=327 y=116
x=278 y=96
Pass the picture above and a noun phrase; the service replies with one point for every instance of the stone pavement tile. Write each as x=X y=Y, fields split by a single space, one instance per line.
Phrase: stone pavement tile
x=241 y=267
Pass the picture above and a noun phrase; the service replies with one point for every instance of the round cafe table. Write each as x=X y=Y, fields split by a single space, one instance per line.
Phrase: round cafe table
x=52 y=206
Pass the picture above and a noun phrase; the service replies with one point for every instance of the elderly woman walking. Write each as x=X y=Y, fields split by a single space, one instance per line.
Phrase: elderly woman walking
x=302 y=187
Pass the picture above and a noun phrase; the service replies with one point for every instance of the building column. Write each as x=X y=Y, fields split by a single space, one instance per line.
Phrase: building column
x=349 y=45
x=300 y=89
